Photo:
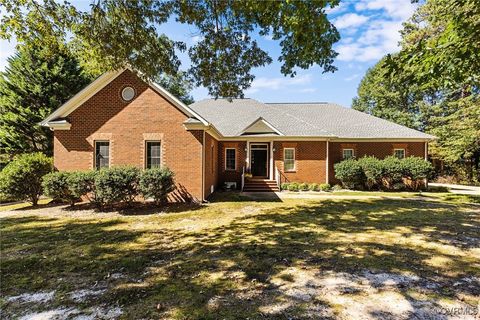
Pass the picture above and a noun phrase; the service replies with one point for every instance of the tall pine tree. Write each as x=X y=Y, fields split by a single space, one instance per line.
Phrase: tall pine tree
x=34 y=84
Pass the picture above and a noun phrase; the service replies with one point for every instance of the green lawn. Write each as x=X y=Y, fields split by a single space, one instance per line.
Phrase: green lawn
x=236 y=258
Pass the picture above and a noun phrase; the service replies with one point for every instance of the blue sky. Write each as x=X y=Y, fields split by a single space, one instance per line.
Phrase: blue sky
x=369 y=29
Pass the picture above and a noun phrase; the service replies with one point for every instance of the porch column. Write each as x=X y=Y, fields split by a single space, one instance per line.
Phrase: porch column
x=271 y=176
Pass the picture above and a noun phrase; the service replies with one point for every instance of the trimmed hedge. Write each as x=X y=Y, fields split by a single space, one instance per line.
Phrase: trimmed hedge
x=390 y=173
x=350 y=172
x=157 y=183
x=107 y=187
x=55 y=185
x=295 y=186
x=22 y=178
x=116 y=185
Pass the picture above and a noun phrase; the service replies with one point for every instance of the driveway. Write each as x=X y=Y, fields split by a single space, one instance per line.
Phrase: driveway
x=458 y=189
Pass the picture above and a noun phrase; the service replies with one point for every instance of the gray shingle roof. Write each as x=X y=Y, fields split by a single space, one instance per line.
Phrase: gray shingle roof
x=300 y=119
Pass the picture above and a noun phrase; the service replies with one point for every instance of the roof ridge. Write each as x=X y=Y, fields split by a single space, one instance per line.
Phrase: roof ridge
x=302 y=120
x=314 y=102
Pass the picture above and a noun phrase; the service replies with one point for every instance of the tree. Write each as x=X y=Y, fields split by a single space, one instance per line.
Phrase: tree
x=116 y=33
x=178 y=85
x=391 y=97
x=33 y=85
x=22 y=177
x=433 y=83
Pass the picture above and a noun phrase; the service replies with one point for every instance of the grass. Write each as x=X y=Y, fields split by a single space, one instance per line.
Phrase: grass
x=233 y=258
x=22 y=205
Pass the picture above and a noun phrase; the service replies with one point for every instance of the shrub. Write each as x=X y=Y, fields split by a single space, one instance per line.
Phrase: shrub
x=325 y=187
x=373 y=170
x=117 y=184
x=55 y=185
x=293 y=186
x=415 y=170
x=350 y=173
x=314 y=187
x=284 y=186
x=337 y=187
x=82 y=183
x=392 y=172
x=22 y=178
x=157 y=183
x=303 y=186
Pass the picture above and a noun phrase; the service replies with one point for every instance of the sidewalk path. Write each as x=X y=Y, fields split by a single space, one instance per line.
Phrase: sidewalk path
x=457 y=188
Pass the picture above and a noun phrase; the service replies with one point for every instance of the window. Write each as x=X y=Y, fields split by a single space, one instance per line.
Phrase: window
x=348 y=154
x=289 y=159
x=102 y=154
x=399 y=153
x=154 y=154
x=230 y=159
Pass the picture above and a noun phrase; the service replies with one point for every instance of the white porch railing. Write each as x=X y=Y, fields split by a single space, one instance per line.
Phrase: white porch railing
x=278 y=178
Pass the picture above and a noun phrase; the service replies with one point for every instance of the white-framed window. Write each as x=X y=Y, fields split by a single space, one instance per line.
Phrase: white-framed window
x=153 y=154
x=289 y=159
x=230 y=159
x=399 y=153
x=102 y=154
x=348 y=154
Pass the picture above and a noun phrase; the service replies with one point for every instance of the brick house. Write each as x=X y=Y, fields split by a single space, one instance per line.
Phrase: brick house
x=120 y=119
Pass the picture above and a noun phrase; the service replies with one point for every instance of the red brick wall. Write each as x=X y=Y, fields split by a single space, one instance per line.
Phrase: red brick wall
x=309 y=161
x=127 y=125
x=229 y=175
x=377 y=149
x=211 y=164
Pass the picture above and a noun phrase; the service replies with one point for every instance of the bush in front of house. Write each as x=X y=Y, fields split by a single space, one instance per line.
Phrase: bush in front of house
x=325 y=187
x=416 y=170
x=82 y=184
x=390 y=173
x=116 y=185
x=372 y=170
x=56 y=186
x=157 y=183
x=293 y=186
x=350 y=173
x=22 y=178
x=303 y=186
x=284 y=186
x=314 y=187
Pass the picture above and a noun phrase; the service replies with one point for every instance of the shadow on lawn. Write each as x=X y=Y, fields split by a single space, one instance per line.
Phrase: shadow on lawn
x=226 y=271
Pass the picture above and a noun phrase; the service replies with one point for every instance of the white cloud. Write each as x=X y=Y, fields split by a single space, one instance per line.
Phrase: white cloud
x=380 y=36
x=278 y=83
x=401 y=9
x=341 y=7
x=349 y=20
x=8 y=49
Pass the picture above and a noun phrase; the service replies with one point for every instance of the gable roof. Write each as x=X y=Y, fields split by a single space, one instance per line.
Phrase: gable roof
x=260 y=126
x=100 y=83
x=301 y=120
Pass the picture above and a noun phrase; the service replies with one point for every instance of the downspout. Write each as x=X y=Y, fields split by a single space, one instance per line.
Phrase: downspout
x=426 y=159
x=327 y=179
x=203 y=166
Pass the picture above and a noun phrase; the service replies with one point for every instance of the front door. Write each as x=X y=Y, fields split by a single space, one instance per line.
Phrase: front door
x=259 y=161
